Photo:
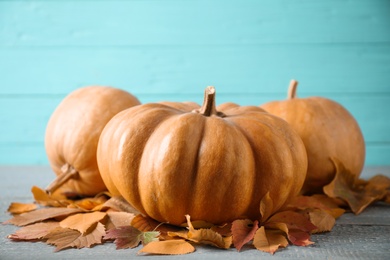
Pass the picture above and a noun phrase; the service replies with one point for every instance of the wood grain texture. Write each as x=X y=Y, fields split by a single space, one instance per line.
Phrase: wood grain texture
x=171 y=50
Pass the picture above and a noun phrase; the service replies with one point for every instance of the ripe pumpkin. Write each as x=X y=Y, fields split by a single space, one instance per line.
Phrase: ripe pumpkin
x=328 y=130
x=214 y=166
x=72 y=136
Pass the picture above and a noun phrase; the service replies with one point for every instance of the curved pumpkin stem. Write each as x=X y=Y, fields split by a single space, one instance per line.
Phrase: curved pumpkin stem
x=68 y=172
x=292 y=89
x=208 y=108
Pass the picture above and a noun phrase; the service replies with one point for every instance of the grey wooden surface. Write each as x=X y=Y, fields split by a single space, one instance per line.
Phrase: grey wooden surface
x=366 y=236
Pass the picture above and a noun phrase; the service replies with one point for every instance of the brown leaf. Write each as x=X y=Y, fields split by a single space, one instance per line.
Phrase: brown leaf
x=118 y=219
x=293 y=220
x=353 y=191
x=40 y=215
x=52 y=200
x=169 y=247
x=299 y=237
x=207 y=236
x=243 y=231
x=269 y=240
x=322 y=220
x=266 y=207
x=34 y=231
x=18 y=208
x=82 y=221
x=225 y=230
x=317 y=201
x=64 y=237
x=145 y=224
x=118 y=203
x=89 y=203
x=124 y=237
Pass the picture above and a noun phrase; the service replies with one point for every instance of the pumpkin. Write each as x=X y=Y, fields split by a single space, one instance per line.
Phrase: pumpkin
x=214 y=165
x=72 y=136
x=328 y=131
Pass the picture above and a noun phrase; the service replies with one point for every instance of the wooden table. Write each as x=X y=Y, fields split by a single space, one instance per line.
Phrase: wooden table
x=366 y=236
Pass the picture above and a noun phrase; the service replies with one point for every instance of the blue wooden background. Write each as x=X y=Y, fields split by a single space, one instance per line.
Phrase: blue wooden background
x=171 y=50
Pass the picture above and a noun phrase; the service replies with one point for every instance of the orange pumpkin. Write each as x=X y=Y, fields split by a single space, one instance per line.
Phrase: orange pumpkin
x=214 y=166
x=328 y=130
x=72 y=136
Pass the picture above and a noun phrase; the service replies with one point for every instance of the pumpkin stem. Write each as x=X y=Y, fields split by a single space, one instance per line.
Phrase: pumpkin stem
x=292 y=89
x=68 y=172
x=208 y=108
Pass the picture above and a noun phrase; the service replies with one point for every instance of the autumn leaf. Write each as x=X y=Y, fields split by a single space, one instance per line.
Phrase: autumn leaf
x=266 y=207
x=40 y=215
x=82 y=221
x=65 y=237
x=118 y=219
x=225 y=230
x=293 y=220
x=168 y=247
x=34 y=231
x=130 y=237
x=52 y=200
x=18 y=208
x=117 y=203
x=207 y=236
x=296 y=225
x=269 y=240
x=353 y=191
x=299 y=237
x=145 y=224
x=317 y=201
x=89 y=203
x=322 y=220
x=243 y=231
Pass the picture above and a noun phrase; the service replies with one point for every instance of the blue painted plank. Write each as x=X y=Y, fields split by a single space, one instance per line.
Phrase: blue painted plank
x=24 y=119
x=321 y=69
x=221 y=22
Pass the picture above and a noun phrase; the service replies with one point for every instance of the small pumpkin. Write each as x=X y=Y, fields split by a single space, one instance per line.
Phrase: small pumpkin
x=214 y=165
x=328 y=131
x=72 y=136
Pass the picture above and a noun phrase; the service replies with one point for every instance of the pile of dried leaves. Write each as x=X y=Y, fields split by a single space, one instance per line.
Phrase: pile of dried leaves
x=65 y=223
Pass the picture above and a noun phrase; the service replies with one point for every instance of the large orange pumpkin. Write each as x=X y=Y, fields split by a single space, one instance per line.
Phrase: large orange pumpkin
x=72 y=136
x=214 y=166
x=328 y=131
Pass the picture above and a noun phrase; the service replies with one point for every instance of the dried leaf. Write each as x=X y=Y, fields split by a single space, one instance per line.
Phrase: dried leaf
x=41 y=215
x=269 y=240
x=18 y=208
x=64 y=237
x=124 y=237
x=52 y=200
x=207 y=236
x=299 y=237
x=89 y=203
x=266 y=207
x=118 y=219
x=82 y=221
x=225 y=230
x=34 y=231
x=322 y=220
x=317 y=201
x=353 y=191
x=169 y=247
x=145 y=224
x=293 y=220
x=243 y=231
x=118 y=203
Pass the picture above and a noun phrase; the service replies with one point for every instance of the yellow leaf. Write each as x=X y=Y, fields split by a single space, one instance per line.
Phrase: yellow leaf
x=52 y=200
x=207 y=236
x=269 y=240
x=266 y=207
x=322 y=220
x=168 y=247
x=82 y=221
x=18 y=208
